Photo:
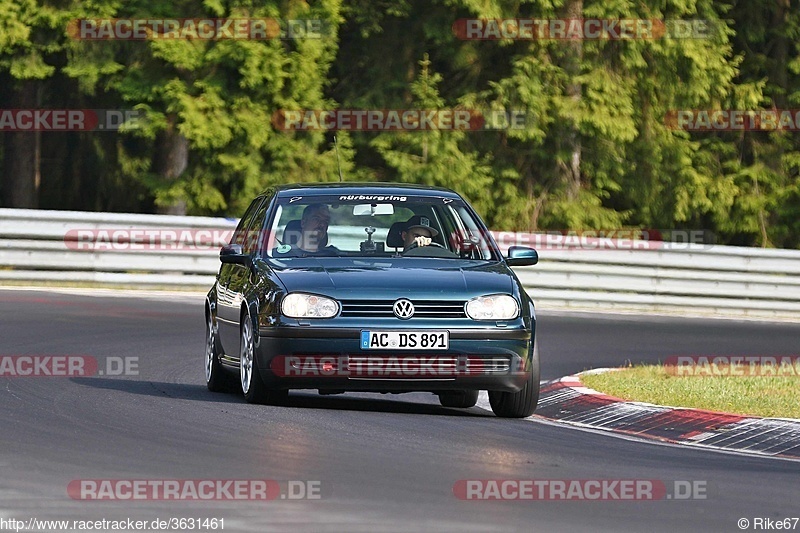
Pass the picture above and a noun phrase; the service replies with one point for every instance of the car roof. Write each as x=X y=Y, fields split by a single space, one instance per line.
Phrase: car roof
x=354 y=188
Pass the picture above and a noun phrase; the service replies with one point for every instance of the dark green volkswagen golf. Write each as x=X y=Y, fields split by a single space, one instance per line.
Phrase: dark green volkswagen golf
x=371 y=287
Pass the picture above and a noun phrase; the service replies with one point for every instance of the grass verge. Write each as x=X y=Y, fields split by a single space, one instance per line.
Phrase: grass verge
x=755 y=395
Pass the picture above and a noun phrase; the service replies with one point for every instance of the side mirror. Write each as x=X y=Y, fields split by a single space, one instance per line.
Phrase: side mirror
x=233 y=254
x=522 y=256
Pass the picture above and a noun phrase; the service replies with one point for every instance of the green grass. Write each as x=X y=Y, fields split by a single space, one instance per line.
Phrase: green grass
x=768 y=396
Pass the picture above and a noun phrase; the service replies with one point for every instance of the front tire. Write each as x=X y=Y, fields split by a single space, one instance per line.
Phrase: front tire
x=462 y=399
x=217 y=380
x=253 y=387
x=519 y=404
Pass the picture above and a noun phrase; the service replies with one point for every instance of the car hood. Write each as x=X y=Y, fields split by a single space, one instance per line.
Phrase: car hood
x=394 y=277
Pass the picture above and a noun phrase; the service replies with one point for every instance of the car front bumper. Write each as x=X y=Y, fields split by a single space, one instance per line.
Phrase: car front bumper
x=331 y=358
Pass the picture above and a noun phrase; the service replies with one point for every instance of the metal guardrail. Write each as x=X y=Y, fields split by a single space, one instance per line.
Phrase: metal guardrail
x=45 y=247
x=38 y=246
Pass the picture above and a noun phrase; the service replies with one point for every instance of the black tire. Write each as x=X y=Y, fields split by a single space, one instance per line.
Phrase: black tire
x=523 y=403
x=253 y=387
x=217 y=380
x=461 y=399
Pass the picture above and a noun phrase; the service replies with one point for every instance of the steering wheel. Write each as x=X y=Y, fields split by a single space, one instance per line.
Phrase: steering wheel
x=415 y=244
x=432 y=250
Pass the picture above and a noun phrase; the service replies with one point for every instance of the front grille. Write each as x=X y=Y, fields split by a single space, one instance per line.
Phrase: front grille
x=403 y=366
x=493 y=365
x=383 y=309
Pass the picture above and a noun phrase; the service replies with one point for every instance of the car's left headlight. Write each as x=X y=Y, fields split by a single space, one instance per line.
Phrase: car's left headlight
x=493 y=307
x=300 y=305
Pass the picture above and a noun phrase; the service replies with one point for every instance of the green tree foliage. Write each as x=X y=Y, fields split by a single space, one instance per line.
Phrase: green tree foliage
x=434 y=157
x=218 y=98
x=764 y=168
x=595 y=149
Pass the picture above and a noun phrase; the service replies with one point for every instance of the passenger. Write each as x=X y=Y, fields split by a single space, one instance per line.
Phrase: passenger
x=313 y=234
x=314 y=226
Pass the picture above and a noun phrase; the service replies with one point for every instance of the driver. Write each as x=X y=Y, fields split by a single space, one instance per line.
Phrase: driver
x=418 y=230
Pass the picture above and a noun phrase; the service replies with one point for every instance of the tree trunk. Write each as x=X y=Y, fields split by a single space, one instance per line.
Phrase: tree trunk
x=569 y=140
x=780 y=51
x=22 y=153
x=170 y=161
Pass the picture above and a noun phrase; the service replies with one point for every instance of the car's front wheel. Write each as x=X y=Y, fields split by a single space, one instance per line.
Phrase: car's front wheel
x=217 y=380
x=461 y=399
x=522 y=403
x=253 y=387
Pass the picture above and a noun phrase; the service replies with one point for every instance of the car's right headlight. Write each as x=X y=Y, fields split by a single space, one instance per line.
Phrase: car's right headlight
x=493 y=307
x=301 y=305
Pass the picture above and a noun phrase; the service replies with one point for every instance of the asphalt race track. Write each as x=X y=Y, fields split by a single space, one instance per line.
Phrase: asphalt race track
x=383 y=463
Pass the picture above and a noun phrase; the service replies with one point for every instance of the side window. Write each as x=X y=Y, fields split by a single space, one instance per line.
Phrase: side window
x=471 y=240
x=452 y=228
x=239 y=235
x=256 y=240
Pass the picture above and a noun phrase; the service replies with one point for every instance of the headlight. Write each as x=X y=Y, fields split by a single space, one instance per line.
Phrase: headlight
x=494 y=307
x=299 y=305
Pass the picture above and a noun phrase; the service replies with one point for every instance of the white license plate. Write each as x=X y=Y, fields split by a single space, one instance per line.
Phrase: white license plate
x=405 y=340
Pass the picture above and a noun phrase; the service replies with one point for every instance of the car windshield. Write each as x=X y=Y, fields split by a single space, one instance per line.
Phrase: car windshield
x=375 y=225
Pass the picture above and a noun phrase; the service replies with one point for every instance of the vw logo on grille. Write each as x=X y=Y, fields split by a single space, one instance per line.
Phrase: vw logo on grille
x=403 y=309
